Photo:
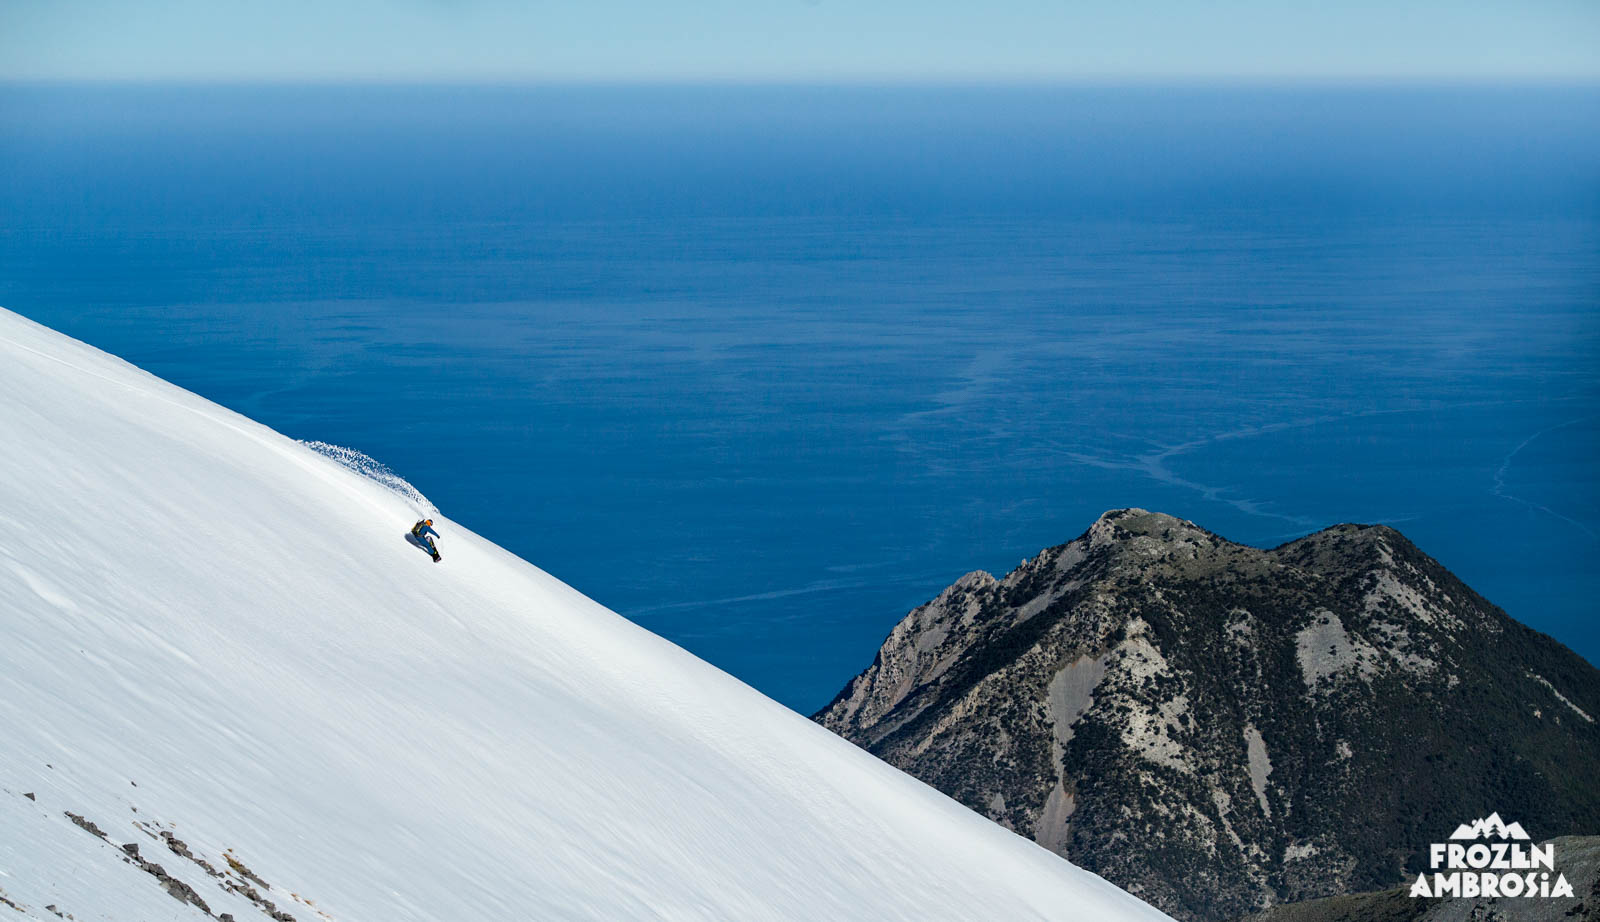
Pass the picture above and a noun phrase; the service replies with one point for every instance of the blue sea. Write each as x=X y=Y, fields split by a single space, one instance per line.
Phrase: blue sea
x=764 y=368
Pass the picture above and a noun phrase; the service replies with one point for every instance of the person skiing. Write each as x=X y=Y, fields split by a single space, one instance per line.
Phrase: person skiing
x=424 y=533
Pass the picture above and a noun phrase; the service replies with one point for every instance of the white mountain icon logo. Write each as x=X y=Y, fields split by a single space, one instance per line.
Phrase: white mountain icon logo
x=1490 y=826
x=1512 y=867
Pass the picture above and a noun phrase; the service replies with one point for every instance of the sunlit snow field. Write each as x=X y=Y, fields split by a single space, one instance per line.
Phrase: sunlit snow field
x=332 y=728
x=762 y=369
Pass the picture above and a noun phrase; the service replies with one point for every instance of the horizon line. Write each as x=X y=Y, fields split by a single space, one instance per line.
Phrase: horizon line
x=1243 y=81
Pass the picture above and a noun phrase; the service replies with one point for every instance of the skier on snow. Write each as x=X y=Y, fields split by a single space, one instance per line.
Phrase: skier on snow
x=424 y=533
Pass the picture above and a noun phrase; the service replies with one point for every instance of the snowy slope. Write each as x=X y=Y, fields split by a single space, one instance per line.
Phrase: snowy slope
x=209 y=630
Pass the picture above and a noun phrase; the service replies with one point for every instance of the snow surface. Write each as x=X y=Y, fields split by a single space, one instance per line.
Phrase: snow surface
x=211 y=630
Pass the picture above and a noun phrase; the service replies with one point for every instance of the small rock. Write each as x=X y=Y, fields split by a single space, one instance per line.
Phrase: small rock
x=30 y=796
x=132 y=848
x=86 y=825
x=176 y=845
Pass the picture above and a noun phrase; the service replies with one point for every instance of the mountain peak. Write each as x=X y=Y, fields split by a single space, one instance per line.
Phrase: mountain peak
x=1233 y=708
x=1143 y=522
x=1356 y=538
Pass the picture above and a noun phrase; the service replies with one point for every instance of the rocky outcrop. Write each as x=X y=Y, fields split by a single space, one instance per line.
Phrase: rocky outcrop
x=1219 y=728
x=238 y=884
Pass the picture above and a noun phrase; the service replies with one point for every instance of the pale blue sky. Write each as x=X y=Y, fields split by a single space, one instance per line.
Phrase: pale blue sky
x=798 y=40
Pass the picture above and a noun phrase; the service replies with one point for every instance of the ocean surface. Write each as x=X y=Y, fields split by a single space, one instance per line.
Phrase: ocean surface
x=764 y=368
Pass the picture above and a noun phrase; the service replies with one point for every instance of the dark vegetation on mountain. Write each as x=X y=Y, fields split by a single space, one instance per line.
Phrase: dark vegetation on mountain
x=1219 y=728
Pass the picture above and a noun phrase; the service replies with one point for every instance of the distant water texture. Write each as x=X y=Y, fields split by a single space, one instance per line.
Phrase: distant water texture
x=765 y=368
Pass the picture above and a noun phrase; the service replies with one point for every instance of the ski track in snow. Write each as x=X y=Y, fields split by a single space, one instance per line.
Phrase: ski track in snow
x=221 y=634
x=375 y=471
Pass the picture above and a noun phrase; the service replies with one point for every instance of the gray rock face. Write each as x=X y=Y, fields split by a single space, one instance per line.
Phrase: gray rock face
x=1218 y=728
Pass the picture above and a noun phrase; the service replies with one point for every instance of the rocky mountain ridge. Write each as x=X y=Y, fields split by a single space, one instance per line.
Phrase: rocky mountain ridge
x=1219 y=728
